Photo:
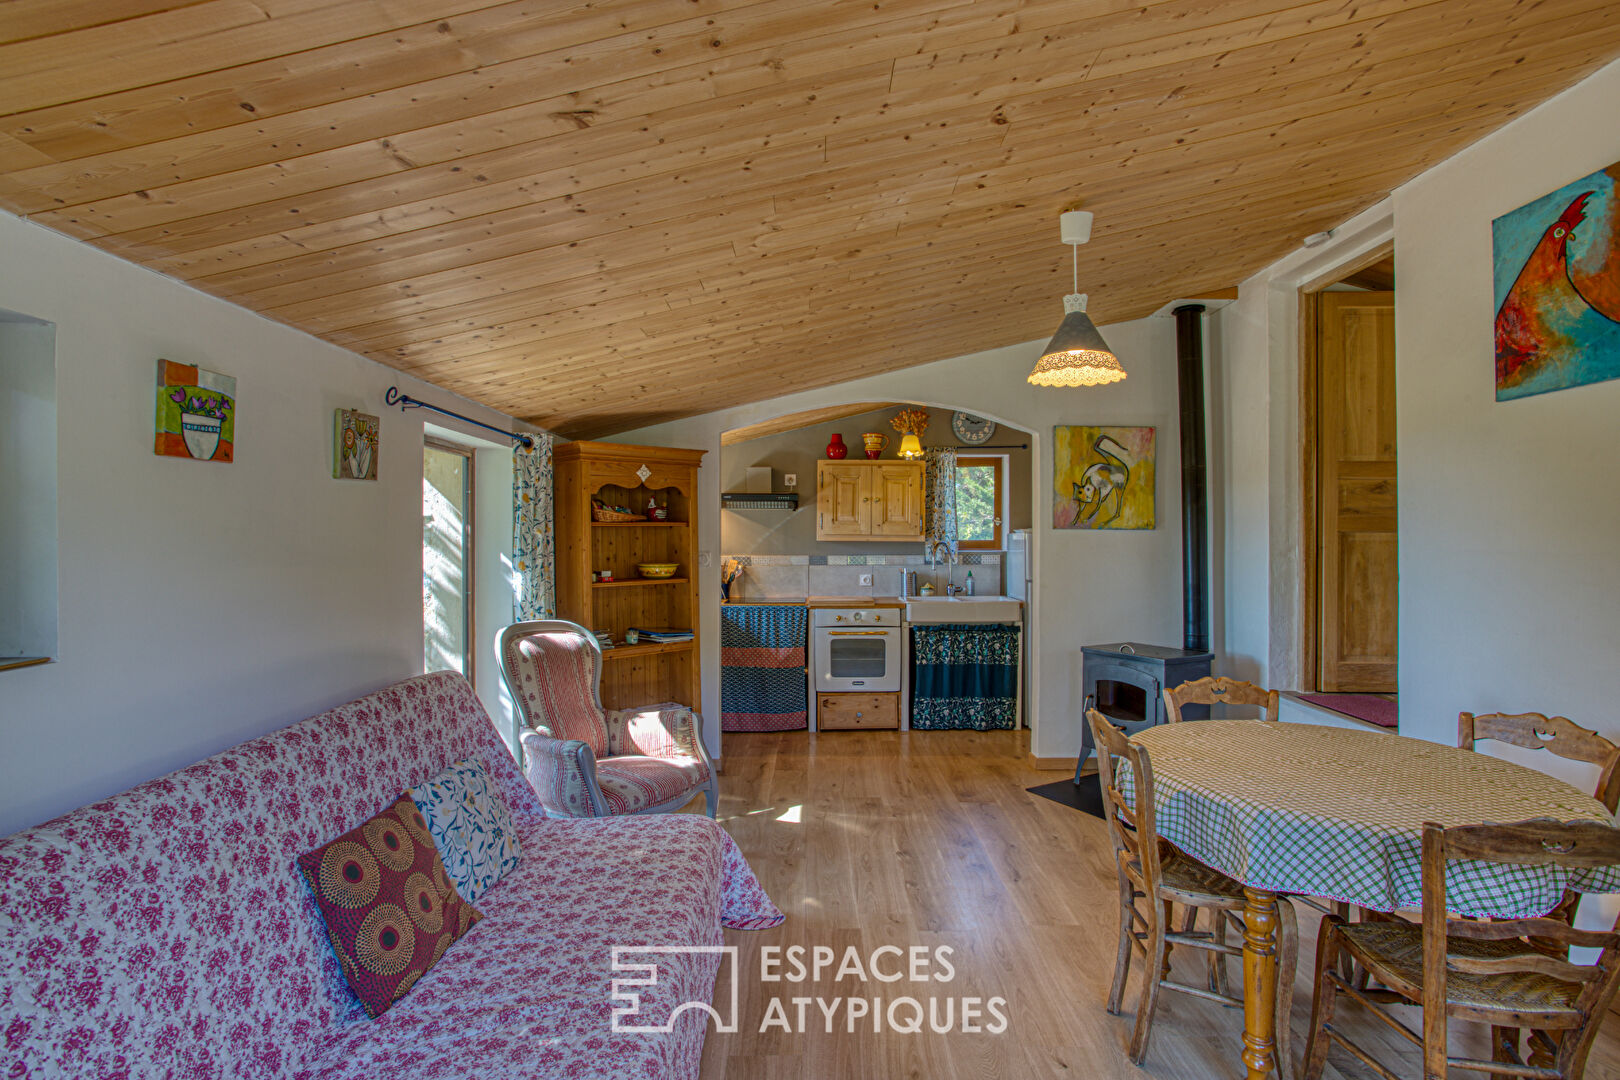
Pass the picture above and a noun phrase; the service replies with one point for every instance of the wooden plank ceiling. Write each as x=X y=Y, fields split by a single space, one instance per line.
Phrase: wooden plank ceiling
x=600 y=215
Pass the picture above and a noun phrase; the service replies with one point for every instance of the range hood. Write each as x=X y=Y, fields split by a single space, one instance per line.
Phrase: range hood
x=760 y=494
x=759 y=500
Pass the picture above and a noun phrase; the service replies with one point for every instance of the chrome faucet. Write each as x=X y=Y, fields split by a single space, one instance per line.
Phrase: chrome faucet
x=950 y=564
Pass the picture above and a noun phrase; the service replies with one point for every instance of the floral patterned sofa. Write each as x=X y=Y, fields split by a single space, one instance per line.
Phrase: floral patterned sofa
x=166 y=932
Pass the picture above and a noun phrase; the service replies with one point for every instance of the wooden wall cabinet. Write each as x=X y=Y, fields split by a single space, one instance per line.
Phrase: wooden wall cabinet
x=625 y=475
x=869 y=500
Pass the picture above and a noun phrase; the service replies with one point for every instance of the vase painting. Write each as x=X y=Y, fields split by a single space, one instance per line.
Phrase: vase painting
x=354 y=452
x=196 y=413
x=1556 y=266
x=1102 y=477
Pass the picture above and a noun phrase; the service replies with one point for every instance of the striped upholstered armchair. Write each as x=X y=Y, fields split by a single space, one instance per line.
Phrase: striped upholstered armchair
x=586 y=761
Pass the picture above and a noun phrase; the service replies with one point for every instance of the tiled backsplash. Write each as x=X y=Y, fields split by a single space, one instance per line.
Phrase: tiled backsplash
x=840 y=575
x=966 y=558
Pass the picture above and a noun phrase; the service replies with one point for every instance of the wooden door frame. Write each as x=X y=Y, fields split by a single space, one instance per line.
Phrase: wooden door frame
x=1310 y=370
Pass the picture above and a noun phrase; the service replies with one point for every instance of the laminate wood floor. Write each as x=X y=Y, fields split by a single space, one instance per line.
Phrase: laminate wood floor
x=903 y=839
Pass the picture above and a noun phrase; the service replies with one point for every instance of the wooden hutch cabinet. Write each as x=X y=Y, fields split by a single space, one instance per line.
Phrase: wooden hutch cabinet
x=869 y=500
x=618 y=474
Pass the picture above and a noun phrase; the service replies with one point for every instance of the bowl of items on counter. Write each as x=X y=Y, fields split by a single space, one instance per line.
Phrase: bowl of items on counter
x=657 y=569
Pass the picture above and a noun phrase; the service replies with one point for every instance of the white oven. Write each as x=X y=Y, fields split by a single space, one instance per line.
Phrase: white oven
x=856 y=650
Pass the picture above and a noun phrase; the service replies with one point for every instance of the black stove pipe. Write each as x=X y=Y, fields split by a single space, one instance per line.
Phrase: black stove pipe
x=1194 y=482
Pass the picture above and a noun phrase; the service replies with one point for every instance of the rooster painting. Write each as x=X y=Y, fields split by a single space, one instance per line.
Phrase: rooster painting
x=1558 y=289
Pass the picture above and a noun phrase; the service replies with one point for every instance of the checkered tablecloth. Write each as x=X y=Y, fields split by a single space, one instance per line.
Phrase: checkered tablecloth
x=1330 y=812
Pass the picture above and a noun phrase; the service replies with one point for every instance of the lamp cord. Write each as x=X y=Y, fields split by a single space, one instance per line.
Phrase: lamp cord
x=1075 y=249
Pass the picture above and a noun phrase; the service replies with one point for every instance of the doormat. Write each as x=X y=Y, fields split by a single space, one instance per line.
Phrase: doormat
x=1085 y=796
x=1371 y=708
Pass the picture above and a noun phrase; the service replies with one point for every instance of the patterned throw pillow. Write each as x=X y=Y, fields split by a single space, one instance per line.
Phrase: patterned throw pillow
x=389 y=907
x=471 y=826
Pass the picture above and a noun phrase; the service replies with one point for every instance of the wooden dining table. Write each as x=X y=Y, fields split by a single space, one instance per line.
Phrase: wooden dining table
x=1319 y=811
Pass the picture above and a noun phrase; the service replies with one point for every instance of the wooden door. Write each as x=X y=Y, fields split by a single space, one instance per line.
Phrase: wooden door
x=1356 y=548
x=843 y=500
x=897 y=501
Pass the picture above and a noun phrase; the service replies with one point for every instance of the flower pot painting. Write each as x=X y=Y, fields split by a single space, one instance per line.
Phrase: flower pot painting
x=1557 y=276
x=196 y=413
x=354 y=454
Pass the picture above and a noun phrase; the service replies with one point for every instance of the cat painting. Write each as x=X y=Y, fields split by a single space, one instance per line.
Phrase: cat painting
x=1103 y=478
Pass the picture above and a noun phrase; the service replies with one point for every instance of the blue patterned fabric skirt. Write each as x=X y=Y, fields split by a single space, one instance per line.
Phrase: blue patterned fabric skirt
x=964 y=675
x=763 y=681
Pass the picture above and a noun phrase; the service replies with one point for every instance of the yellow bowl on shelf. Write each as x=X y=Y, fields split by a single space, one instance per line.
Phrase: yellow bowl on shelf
x=657 y=569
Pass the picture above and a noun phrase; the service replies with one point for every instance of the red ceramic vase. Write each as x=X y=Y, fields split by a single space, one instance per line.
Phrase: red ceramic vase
x=836 y=448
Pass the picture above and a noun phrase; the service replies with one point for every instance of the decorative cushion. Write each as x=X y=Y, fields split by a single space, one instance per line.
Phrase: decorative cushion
x=389 y=907
x=556 y=678
x=631 y=783
x=471 y=827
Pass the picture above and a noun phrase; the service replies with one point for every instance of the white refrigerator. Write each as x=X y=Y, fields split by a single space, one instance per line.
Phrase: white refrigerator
x=1017 y=575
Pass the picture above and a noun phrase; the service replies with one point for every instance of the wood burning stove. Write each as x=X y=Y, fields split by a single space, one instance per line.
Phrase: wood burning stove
x=1125 y=682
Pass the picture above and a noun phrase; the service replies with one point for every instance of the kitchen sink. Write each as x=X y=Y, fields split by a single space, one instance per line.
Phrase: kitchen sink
x=963 y=609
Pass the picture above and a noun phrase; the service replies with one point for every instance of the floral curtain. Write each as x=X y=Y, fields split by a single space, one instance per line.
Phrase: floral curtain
x=939 y=517
x=533 y=536
x=964 y=675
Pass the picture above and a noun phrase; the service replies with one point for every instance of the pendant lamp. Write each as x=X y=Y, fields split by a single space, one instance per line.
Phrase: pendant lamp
x=1077 y=355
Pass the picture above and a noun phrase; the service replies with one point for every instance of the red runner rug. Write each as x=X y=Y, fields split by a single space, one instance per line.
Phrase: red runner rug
x=1369 y=707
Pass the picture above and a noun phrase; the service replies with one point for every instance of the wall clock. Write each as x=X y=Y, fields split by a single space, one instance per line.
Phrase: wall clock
x=973 y=430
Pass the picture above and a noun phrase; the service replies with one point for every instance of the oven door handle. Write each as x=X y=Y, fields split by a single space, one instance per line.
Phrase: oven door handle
x=859 y=633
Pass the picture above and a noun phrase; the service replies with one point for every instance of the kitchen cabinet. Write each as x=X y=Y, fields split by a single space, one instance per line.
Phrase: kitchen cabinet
x=869 y=500
x=857 y=712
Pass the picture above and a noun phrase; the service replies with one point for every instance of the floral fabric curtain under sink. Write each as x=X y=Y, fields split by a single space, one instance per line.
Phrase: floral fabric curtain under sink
x=964 y=675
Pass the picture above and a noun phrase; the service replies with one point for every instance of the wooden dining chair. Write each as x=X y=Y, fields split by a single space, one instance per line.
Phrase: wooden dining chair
x=1561 y=736
x=1492 y=972
x=1152 y=870
x=1556 y=734
x=1217 y=690
x=1221 y=690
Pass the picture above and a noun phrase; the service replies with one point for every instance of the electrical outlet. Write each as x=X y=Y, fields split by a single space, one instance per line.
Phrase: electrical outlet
x=866 y=579
x=790 y=480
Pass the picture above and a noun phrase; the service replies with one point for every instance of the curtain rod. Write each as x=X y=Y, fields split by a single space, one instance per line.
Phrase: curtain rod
x=997 y=446
x=405 y=401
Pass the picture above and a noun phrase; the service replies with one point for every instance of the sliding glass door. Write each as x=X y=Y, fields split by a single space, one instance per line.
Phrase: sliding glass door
x=447 y=558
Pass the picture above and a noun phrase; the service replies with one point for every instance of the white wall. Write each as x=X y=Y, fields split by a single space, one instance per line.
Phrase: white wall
x=1255 y=460
x=1509 y=513
x=1509 y=571
x=201 y=603
x=1091 y=587
x=27 y=487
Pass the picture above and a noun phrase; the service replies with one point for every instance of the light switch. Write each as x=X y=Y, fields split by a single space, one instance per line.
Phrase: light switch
x=703 y=558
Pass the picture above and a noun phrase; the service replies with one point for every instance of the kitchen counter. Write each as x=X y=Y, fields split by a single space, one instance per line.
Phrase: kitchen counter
x=820 y=601
x=854 y=601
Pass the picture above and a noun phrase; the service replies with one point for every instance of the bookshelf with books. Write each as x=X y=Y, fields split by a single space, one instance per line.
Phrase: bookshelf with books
x=601 y=489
